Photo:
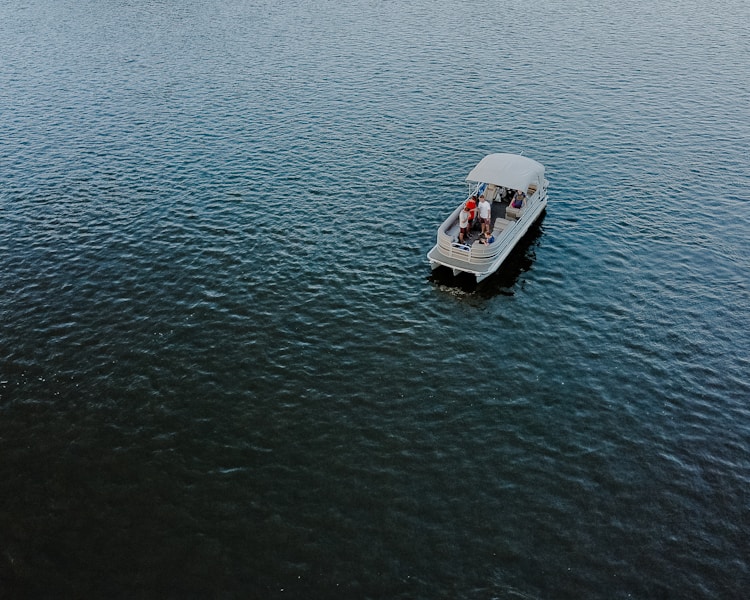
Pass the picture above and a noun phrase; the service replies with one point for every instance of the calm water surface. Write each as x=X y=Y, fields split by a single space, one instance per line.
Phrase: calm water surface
x=227 y=371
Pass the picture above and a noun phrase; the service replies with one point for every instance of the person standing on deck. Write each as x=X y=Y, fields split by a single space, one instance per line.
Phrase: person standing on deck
x=484 y=214
x=471 y=206
x=463 y=224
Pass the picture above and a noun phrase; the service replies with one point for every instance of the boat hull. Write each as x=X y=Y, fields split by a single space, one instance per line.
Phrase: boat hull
x=479 y=260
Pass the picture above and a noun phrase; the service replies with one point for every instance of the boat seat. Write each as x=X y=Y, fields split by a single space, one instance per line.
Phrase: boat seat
x=515 y=213
x=490 y=193
x=500 y=225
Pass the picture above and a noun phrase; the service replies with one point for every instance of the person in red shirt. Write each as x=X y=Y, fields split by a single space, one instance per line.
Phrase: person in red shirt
x=471 y=206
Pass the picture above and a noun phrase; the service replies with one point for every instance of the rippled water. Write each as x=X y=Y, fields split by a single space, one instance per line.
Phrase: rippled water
x=226 y=370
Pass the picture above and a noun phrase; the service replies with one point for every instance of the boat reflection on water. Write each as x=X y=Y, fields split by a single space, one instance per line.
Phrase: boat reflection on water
x=505 y=278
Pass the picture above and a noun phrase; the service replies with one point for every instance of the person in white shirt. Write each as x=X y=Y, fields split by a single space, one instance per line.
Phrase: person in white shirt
x=484 y=214
x=463 y=224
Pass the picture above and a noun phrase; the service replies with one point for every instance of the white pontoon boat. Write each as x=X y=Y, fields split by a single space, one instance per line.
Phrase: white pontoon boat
x=498 y=177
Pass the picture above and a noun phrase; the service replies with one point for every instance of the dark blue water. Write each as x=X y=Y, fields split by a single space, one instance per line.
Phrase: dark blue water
x=226 y=370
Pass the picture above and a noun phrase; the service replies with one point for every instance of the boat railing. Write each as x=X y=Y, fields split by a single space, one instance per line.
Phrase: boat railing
x=475 y=254
x=476 y=189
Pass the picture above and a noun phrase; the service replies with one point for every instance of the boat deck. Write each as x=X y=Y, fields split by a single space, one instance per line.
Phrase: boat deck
x=497 y=212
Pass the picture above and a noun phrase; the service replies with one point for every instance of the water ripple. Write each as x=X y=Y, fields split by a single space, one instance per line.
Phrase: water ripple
x=225 y=367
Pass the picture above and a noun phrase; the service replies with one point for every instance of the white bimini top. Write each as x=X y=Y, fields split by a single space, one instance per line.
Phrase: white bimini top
x=508 y=170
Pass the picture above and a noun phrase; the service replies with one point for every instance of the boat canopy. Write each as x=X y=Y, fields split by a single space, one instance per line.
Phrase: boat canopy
x=508 y=170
